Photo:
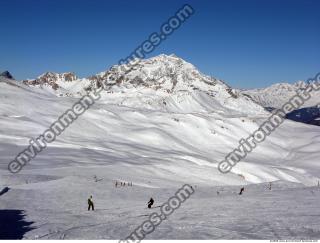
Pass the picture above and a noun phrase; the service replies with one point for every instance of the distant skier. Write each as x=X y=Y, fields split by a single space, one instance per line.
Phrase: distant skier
x=241 y=191
x=150 y=203
x=90 y=204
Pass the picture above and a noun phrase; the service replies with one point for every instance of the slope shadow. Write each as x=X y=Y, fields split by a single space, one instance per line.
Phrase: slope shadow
x=4 y=190
x=309 y=115
x=13 y=225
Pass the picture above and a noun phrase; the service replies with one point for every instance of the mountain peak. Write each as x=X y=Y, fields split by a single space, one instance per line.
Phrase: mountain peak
x=168 y=58
x=165 y=56
x=165 y=72
x=6 y=74
x=53 y=76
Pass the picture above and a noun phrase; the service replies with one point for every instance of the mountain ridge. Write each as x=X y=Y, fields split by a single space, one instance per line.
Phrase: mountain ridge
x=164 y=82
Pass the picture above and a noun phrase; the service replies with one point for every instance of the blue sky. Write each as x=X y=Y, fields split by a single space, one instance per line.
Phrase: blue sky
x=247 y=43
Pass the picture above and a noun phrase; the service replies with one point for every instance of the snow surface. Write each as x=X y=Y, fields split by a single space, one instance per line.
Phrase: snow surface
x=158 y=140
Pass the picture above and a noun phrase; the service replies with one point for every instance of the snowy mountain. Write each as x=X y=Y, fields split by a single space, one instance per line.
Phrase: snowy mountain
x=160 y=125
x=54 y=82
x=163 y=82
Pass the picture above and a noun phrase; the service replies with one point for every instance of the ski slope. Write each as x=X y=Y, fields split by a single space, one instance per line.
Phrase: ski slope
x=57 y=208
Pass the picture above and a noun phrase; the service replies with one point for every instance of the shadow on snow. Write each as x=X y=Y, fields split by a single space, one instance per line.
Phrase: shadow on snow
x=13 y=224
x=4 y=190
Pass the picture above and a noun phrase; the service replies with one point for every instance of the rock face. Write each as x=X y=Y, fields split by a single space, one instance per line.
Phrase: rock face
x=6 y=74
x=163 y=72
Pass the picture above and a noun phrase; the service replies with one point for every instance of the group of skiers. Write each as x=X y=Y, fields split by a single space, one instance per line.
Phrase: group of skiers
x=150 y=203
x=122 y=183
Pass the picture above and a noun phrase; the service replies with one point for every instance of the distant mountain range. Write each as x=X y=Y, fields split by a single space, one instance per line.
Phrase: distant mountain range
x=171 y=76
x=276 y=95
x=164 y=81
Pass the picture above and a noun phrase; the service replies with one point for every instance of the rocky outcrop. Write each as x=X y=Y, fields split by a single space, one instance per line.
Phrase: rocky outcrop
x=7 y=75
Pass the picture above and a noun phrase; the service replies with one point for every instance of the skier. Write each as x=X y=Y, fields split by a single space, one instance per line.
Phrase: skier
x=241 y=191
x=90 y=204
x=150 y=203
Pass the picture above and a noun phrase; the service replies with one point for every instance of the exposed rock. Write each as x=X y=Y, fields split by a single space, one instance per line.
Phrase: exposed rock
x=6 y=74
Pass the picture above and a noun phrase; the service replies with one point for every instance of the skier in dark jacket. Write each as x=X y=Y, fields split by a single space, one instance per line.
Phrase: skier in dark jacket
x=241 y=191
x=90 y=204
x=150 y=203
